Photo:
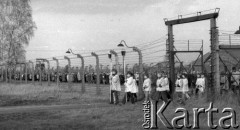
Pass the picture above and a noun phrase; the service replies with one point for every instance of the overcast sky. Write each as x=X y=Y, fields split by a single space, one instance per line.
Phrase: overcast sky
x=102 y=24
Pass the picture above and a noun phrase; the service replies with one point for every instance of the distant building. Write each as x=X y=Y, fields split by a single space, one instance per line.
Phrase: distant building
x=238 y=31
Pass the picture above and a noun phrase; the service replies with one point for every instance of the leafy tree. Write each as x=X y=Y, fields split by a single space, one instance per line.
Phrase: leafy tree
x=16 y=29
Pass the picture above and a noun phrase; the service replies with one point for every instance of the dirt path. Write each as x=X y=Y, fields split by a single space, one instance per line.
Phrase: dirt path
x=20 y=109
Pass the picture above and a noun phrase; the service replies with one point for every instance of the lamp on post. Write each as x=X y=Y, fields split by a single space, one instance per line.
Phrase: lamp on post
x=123 y=52
x=110 y=58
x=140 y=67
x=69 y=51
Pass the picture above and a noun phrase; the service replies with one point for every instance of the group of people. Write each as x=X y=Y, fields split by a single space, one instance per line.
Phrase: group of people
x=230 y=81
x=158 y=90
x=131 y=88
x=183 y=87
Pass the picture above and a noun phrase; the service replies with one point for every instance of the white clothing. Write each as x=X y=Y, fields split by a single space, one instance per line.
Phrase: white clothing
x=201 y=83
x=115 y=83
x=134 y=87
x=163 y=82
x=147 y=85
x=179 y=85
x=185 y=85
x=129 y=84
x=78 y=76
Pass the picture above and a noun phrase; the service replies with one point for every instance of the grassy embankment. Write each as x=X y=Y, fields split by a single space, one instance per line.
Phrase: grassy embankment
x=92 y=111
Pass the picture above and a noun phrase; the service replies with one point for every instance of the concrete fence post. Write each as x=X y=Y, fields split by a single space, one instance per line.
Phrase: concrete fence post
x=48 y=64
x=21 y=70
x=2 y=73
x=116 y=59
x=33 y=73
x=69 y=69
x=98 y=74
x=57 y=67
x=40 y=71
x=141 y=95
x=82 y=73
x=6 y=72
x=26 y=71
x=10 y=74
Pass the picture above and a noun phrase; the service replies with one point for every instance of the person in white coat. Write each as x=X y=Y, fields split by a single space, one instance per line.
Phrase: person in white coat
x=147 y=86
x=115 y=87
x=129 y=84
x=134 y=90
x=162 y=87
x=200 y=84
x=179 y=87
x=185 y=86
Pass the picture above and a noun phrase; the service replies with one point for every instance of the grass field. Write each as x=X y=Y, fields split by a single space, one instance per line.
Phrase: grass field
x=29 y=107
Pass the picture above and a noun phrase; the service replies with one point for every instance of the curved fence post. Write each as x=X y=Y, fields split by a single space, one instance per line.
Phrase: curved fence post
x=82 y=73
x=26 y=71
x=57 y=67
x=33 y=77
x=40 y=71
x=6 y=72
x=21 y=70
x=2 y=73
x=116 y=59
x=97 y=70
x=140 y=72
x=15 y=73
x=69 y=70
x=48 y=63
x=10 y=74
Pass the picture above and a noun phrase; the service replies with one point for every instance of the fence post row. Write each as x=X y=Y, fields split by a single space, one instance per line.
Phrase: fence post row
x=97 y=70
x=82 y=73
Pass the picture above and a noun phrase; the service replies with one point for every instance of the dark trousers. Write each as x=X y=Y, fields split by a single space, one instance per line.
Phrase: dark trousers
x=163 y=95
x=135 y=97
x=146 y=93
x=235 y=89
x=114 y=97
x=129 y=97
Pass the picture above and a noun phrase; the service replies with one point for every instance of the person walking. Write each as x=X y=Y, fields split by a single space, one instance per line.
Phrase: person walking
x=134 y=90
x=235 y=80
x=162 y=87
x=198 y=84
x=129 y=84
x=146 y=86
x=185 y=86
x=179 y=87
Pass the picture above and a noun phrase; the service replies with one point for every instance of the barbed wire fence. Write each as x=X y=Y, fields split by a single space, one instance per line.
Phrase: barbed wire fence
x=38 y=71
x=153 y=61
